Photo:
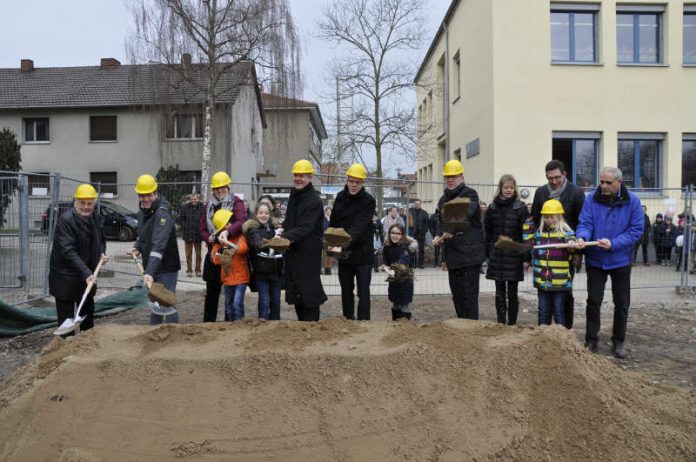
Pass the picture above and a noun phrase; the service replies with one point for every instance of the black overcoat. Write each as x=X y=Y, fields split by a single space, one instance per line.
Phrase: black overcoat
x=354 y=213
x=466 y=248
x=77 y=247
x=504 y=217
x=303 y=226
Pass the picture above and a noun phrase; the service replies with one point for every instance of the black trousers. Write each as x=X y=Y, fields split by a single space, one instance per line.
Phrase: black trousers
x=621 y=294
x=569 y=303
x=66 y=309
x=645 y=252
x=436 y=255
x=506 y=302
x=348 y=275
x=306 y=313
x=419 y=261
x=464 y=284
x=212 y=299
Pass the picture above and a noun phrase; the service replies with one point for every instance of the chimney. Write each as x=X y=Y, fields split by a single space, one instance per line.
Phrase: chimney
x=27 y=65
x=186 y=60
x=107 y=63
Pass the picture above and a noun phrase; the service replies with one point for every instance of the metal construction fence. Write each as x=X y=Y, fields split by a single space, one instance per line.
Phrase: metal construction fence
x=31 y=204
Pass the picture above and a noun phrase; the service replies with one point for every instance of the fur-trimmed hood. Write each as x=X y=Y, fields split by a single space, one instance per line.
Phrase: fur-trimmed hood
x=253 y=223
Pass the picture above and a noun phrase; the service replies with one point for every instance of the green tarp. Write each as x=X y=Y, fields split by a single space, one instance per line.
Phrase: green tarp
x=19 y=321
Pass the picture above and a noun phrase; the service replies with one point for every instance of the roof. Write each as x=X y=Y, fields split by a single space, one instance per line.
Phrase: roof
x=440 y=31
x=285 y=103
x=127 y=85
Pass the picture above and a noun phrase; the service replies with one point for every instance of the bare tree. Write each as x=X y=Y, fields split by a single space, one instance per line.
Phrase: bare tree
x=375 y=72
x=219 y=34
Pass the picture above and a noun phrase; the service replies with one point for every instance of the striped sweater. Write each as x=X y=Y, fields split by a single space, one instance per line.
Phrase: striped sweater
x=552 y=266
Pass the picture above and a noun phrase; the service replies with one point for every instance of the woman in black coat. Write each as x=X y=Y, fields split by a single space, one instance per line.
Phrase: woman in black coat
x=505 y=217
x=78 y=245
x=303 y=227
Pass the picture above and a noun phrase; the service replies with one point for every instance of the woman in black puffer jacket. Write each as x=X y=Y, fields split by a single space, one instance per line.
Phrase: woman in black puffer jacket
x=505 y=217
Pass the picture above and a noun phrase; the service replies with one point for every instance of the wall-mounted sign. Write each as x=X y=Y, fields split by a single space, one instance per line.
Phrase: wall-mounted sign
x=472 y=148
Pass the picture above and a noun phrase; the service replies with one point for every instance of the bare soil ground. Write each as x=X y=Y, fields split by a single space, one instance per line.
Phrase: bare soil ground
x=340 y=390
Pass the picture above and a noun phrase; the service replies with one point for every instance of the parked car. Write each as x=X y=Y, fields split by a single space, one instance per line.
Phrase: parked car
x=119 y=222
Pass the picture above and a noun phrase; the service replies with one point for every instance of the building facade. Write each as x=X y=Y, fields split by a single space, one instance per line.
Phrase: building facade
x=507 y=86
x=112 y=123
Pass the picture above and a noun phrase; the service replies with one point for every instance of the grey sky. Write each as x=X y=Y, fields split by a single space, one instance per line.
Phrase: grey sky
x=81 y=32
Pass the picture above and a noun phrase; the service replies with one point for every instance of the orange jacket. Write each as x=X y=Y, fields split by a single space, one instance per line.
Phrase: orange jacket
x=239 y=272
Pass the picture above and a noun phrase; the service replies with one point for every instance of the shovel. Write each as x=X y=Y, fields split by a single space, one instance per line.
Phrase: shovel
x=162 y=300
x=506 y=244
x=73 y=324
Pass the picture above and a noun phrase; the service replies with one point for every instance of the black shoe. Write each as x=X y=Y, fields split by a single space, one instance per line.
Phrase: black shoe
x=618 y=350
x=591 y=345
x=421 y=266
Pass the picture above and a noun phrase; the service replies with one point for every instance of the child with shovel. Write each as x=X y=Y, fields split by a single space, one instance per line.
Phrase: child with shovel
x=552 y=265
x=231 y=256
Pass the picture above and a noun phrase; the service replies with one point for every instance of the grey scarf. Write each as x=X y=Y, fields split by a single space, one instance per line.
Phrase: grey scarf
x=215 y=204
x=556 y=193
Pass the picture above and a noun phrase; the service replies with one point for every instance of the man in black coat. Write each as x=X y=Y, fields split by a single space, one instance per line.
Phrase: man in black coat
x=303 y=227
x=644 y=239
x=78 y=245
x=434 y=228
x=418 y=227
x=572 y=198
x=189 y=219
x=352 y=211
x=464 y=250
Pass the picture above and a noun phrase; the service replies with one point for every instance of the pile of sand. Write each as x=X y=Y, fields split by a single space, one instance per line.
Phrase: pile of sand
x=339 y=391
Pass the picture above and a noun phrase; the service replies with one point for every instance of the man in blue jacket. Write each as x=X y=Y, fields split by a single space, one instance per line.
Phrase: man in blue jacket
x=613 y=216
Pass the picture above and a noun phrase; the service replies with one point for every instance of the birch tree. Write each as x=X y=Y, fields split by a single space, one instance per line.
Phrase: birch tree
x=377 y=72
x=218 y=34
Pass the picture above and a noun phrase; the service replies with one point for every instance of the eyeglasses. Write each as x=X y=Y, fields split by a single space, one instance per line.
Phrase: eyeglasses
x=555 y=178
x=396 y=234
x=606 y=182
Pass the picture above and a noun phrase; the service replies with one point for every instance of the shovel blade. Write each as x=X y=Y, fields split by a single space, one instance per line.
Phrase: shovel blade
x=156 y=308
x=69 y=325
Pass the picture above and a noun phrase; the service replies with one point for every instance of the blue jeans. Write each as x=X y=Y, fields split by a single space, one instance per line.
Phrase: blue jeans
x=234 y=302
x=269 y=298
x=168 y=280
x=552 y=302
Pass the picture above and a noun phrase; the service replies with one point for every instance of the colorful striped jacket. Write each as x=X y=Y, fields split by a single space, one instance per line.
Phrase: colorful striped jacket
x=552 y=266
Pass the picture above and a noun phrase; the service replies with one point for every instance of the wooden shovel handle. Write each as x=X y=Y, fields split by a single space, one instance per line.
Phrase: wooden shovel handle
x=564 y=246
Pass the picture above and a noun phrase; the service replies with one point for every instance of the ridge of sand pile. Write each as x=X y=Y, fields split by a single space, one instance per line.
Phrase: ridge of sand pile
x=337 y=390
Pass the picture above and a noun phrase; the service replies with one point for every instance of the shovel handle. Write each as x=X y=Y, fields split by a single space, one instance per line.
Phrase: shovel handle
x=564 y=246
x=88 y=289
x=139 y=264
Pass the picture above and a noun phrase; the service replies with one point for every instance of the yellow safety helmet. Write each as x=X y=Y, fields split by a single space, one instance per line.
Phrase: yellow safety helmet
x=357 y=171
x=146 y=184
x=552 y=207
x=302 y=166
x=453 y=168
x=219 y=180
x=85 y=191
x=221 y=218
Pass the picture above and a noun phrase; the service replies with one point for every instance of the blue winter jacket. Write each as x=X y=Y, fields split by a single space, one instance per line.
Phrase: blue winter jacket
x=620 y=221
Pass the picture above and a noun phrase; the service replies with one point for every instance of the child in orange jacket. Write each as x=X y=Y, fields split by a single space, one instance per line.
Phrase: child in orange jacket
x=231 y=255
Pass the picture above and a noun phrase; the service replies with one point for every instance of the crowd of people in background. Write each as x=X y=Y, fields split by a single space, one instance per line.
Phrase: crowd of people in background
x=552 y=234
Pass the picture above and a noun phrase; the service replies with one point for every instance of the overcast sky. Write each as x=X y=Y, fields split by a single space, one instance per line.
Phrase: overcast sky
x=59 y=33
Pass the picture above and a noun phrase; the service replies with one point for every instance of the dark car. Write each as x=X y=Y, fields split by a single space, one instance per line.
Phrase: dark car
x=119 y=222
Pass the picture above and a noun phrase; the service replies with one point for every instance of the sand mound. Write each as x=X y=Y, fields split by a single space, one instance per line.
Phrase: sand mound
x=337 y=390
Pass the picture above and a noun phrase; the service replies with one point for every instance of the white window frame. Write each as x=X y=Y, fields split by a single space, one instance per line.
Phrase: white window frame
x=33 y=120
x=175 y=118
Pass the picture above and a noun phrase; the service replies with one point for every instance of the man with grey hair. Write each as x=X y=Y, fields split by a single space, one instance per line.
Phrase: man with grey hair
x=613 y=216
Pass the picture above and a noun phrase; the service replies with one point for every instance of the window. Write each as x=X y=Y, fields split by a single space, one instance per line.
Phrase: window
x=639 y=34
x=640 y=160
x=39 y=184
x=36 y=130
x=185 y=126
x=102 y=128
x=458 y=154
x=457 y=76
x=690 y=34
x=574 y=33
x=579 y=152
x=688 y=160
x=108 y=182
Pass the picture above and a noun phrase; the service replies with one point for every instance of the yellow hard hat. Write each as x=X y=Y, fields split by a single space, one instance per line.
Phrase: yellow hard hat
x=302 y=166
x=85 y=191
x=146 y=184
x=221 y=218
x=357 y=171
x=552 y=207
x=453 y=168
x=219 y=180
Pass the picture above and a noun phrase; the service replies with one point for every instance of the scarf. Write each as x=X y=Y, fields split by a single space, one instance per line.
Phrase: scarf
x=556 y=193
x=215 y=204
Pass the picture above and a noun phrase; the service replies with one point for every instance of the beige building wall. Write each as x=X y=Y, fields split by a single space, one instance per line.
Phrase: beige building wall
x=513 y=98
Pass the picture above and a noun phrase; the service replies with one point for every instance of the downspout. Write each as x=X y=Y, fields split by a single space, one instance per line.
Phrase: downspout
x=447 y=96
